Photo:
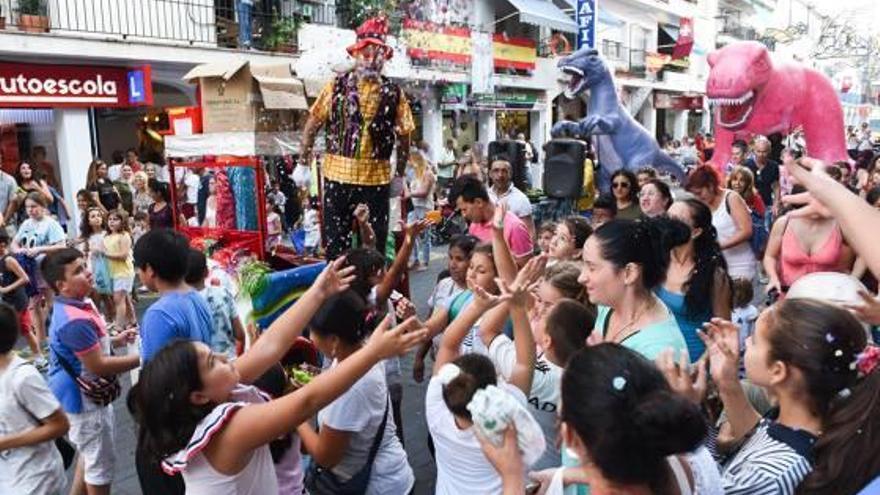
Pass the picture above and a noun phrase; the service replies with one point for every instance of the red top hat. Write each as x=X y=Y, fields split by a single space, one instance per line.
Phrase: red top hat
x=371 y=32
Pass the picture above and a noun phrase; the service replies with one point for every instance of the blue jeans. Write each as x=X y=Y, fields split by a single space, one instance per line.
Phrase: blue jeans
x=245 y=23
x=423 y=241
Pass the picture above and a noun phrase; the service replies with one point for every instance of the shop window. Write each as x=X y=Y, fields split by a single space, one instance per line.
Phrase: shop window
x=23 y=130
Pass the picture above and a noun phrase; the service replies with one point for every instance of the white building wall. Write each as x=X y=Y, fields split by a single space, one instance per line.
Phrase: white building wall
x=73 y=137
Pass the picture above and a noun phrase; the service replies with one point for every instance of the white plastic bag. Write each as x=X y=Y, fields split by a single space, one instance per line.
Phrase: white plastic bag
x=302 y=176
x=493 y=409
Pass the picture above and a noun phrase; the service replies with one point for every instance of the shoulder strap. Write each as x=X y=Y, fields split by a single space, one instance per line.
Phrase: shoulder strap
x=681 y=475
x=785 y=227
x=607 y=322
x=377 y=441
x=727 y=201
x=64 y=364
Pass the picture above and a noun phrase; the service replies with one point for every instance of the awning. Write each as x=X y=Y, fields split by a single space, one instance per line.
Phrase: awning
x=544 y=13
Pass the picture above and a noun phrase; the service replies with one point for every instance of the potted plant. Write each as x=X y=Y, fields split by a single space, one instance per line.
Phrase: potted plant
x=283 y=35
x=32 y=16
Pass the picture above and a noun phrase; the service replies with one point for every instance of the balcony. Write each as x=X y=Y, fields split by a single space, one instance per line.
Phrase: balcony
x=204 y=23
x=739 y=32
x=629 y=61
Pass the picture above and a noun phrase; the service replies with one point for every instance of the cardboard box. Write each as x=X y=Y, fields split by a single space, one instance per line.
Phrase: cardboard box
x=240 y=97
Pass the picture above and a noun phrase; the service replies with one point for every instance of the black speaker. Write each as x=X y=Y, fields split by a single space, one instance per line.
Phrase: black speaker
x=564 y=168
x=515 y=153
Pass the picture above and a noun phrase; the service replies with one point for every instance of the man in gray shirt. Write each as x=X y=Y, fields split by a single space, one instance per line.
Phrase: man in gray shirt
x=7 y=196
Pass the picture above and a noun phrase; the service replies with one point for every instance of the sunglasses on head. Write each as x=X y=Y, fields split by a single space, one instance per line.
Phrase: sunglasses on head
x=622 y=185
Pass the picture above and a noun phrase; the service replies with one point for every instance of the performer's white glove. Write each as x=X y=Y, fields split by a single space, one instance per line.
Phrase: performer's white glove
x=302 y=176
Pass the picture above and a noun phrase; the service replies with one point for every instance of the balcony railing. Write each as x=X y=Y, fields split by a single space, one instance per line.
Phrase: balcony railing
x=211 y=23
x=624 y=59
x=739 y=32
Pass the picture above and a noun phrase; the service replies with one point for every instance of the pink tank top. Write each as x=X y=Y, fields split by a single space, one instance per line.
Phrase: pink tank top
x=795 y=262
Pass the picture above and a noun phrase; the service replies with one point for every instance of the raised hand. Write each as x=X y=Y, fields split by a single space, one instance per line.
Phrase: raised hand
x=691 y=385
x=869 y=311
x=404 y=309
x=387 y=342
x=415 y=229
x=498 y=216
x=506 y=459
x=722 y=345
x=811 y=174
x=362 y=213
x=526 y=281
x=483 y=299
x=335 y=278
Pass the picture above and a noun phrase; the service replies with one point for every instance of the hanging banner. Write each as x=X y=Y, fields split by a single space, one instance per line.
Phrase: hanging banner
x=514 y=53
x=585 y=18
x=685 y=42
x=444 y=45
x=24 y=85
x=427 y=41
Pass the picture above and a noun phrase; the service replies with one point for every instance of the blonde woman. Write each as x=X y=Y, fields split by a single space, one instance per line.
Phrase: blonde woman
x=421 y=192
x=141 y=197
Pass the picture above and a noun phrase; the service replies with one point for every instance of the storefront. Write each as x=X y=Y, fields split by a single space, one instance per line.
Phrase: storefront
x=678 y=114
x=456 y=109
x=53 y=107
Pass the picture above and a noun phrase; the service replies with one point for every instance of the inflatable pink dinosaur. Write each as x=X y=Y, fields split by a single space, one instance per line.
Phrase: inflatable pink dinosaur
x=752 y=95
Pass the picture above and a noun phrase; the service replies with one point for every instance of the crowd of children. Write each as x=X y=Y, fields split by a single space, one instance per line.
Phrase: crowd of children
x=619 y=352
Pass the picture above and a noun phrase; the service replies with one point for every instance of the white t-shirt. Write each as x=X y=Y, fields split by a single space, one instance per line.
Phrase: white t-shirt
x=543 y=399
x=517 y=202
x=38 y=233
x=441 y=297
x=36 y=469
x=744 y=318
x=192 y=182
x=114 y=172
x=359 y=411
x=461 y=466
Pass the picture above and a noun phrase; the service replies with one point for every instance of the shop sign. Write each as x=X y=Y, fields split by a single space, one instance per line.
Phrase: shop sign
x=48 y=86
x=668 y=101
x=454 y=97
x=585 y=18
x=504 y=101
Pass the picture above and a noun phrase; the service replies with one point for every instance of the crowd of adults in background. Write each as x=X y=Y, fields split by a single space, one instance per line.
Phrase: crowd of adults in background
x=655 y=337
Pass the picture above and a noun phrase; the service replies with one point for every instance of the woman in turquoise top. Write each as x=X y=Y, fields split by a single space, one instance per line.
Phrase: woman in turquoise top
x=697 y=286
x=623 y=261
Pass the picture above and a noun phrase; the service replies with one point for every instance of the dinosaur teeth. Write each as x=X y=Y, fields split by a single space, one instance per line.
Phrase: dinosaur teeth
x=733 y=101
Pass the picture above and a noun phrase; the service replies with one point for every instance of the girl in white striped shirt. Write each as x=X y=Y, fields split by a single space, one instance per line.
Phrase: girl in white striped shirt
x=804 y=353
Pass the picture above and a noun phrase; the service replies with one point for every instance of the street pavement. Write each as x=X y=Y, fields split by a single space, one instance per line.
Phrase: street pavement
x=415 y=429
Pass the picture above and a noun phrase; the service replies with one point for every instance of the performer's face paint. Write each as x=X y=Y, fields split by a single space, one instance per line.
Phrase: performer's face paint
x=370 y=61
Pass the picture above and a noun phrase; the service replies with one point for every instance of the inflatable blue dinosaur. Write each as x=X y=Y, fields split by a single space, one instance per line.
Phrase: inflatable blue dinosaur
x=622 y=142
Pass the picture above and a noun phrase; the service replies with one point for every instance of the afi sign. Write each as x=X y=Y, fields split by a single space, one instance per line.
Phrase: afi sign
x=48 y=86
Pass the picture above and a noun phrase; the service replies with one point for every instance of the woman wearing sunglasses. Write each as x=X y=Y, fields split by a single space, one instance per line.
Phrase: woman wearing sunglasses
x=625 y=190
